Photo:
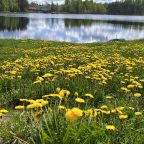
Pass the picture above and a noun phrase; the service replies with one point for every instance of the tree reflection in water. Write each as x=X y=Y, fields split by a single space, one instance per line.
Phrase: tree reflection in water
x=69 y=29
x=13 y=23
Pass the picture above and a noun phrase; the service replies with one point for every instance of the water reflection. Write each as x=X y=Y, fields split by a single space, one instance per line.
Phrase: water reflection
x=12 y=24
x=70 y=30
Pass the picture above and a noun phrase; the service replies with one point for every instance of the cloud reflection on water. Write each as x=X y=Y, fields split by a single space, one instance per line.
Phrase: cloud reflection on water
x=75 y=30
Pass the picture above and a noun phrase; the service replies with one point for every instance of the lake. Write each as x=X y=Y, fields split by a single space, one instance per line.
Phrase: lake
x=80 y=28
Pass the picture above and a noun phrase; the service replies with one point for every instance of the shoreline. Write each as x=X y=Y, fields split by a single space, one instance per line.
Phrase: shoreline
x=103 y=17
x=105 y=42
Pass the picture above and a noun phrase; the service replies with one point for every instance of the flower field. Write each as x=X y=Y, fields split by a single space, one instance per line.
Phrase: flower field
x=65 y=93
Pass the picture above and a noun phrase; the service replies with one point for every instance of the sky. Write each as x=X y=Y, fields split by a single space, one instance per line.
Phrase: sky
x=61 y=1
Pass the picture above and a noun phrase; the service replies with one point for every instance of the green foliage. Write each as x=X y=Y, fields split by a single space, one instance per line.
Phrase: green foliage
x=13 y=5
x=79 y=6
x=127 y=7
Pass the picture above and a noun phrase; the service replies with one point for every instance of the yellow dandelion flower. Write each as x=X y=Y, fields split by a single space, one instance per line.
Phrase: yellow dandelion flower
x=13 y=72
x=114 y=111
x=44 y=103
x=89 y=95
x=58 y=89
x=19 y=107
x=137 y=95
x=110 y=127
x=104 y=107
x=3 y=111
x=131 y=108
x=23 y=100
x=47 y=75
x=61 y=107
x=120 y=108
x=34 y=105
x=37 y=81
x=130 y=86
x=109 y=97
x=80 y=100
x=73 y=114
x=53 y=95
x=76 y=94
x=123 y=116
x=138 y=113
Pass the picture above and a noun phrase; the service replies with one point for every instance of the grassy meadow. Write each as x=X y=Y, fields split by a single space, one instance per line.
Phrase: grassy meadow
x=63 y=93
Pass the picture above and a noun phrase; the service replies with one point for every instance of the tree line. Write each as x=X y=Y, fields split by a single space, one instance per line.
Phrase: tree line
x=126 y=7
x=123 y=7
x=87 y=6
x=13 y=5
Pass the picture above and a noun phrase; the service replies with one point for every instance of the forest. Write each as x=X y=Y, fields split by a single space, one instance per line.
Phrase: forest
x=13 y=5
x=123 y=7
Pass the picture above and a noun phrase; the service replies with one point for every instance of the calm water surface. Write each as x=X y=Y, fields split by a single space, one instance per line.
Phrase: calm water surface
x=70 y=27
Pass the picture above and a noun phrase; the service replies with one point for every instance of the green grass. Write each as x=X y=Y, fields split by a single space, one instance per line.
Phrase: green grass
x=101 y=69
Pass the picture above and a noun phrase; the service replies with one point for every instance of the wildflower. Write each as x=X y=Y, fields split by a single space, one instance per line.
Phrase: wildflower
x=34 y=105
x=61 y=107
x=109 y=97
x=19 y=107
x=104 y=107
x=76 y=94
x=13 y=72
x=47 y=75
x=137 y=95
x=73 y=114
x=53 y=95
x=67 y=93
x=19 y=77
x=140 y=86
x=44 y=103
x=80 y=100
x=40 y=78
x=138 y=113
x=142 y=80
x=88 y=112
x=113 y=111
x=111 y=127
x=36 y=82
x=63 y=93
x=89 y=95
x=3 y=111
x=58 y=89
x=123 y=116
x=125 y=89
x=105 y=112
x=131 y=108
x=130 y=86
x=120 y=108
x=23 y=100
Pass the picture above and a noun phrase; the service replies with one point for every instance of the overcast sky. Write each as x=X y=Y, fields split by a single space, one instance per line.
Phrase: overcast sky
x=61 y=1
